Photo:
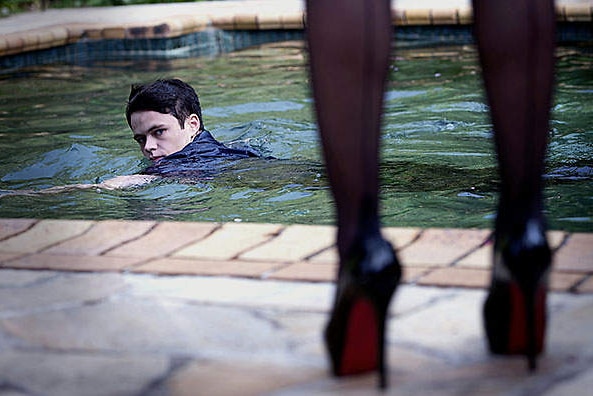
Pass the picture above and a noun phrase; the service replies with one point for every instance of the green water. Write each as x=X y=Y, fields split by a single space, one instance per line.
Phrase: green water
x=64 y=124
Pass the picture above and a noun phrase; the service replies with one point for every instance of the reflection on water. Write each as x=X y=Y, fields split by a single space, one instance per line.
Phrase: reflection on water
x=65 y=124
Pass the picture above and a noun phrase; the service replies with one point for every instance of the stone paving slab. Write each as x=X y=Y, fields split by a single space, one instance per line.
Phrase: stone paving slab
x=466 y=277
x=173 y=266
x=102 y=237
x=401 y=237
x=229 y=241
x=50 y=373
x=481 y=257
x=163 y=239
x=73 y=262
x=44 y=234
x=212 y=377
x=585 y=286
x=10 y=227
x=306 y=271
x=64 y=333
x=577 y=254
x=287 y=246
x=438 y=247
x=179 y=308
x=24 y=292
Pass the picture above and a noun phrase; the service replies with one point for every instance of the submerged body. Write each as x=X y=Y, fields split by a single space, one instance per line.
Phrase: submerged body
x=202 y=156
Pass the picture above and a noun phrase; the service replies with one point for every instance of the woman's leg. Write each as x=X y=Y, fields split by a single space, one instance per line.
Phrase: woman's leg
x=349 y=43
x=516 y=47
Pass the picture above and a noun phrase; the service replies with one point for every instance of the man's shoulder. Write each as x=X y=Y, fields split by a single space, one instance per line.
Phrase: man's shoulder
x=206 y=138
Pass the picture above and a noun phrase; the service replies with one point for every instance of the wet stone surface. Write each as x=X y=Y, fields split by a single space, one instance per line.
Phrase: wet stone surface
x=65 y=333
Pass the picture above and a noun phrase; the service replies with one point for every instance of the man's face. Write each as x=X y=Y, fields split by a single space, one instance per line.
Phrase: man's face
x=160 y=134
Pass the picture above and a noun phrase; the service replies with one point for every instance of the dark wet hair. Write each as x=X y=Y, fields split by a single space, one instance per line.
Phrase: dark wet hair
x=170 y=96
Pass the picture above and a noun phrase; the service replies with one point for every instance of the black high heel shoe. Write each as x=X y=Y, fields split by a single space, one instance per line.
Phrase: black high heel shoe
x=355 y=334
x=515 y=310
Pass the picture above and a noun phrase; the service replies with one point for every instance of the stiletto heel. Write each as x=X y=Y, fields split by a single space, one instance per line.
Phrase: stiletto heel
x=515 y=310
x=355 y=334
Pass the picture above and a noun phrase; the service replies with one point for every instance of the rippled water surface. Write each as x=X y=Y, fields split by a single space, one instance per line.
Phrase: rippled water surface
x=64 y=124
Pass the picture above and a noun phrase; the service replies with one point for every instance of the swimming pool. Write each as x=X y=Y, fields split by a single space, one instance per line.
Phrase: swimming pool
x=64 y=124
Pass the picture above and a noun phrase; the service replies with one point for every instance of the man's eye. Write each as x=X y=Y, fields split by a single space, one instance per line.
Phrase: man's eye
x=140 y=139
x=159 y=132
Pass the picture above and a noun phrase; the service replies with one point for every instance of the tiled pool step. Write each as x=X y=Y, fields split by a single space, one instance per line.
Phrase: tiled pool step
x=57 y=27
x=431 y=257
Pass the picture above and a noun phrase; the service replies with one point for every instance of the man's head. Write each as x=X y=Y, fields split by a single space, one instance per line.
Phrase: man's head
x=165 y=116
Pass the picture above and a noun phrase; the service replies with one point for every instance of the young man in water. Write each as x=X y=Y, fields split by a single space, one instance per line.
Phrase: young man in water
x=164 y=116
x=166 y=120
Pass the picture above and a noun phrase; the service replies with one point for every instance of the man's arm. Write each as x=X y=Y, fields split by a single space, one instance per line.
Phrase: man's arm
x=120 y=182
x=116 y=183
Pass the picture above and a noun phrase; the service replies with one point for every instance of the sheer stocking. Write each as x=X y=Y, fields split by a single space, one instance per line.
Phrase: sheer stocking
x=349 y=44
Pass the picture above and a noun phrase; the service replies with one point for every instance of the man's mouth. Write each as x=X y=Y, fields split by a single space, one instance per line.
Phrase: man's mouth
x=156 y=159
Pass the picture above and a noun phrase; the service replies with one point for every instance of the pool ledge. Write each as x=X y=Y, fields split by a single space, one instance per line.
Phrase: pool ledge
x=33 y=31
x=431 y=257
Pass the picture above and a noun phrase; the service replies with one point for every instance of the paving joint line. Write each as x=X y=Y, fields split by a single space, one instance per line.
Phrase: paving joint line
x=574 y=288
x=320 y=251
x=147 y=260
x=267 y=274
x=33 y=224
x=397 y=247
x=43 y=249
x=6 y=263
x=172 y=252
x=92 y=223
x=147 y=232
x=412 y=242
x=489 y=238
x=415 y=280
x=57 y=307
x=271 y=237
x=156 y=385
x=565 y=239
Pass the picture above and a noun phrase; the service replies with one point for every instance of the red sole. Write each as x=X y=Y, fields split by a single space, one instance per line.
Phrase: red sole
x=360 y=352
x=518 y=341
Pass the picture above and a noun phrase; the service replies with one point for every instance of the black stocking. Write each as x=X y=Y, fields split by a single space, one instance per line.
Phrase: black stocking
x=349 y=43
x=516 y=47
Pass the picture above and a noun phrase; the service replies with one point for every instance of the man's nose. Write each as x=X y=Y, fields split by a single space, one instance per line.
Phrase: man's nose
x=150 y=144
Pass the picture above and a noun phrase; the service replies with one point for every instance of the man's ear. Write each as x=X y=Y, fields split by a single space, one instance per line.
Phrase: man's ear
x=193 y=121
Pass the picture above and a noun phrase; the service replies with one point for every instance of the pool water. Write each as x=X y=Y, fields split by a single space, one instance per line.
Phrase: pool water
x=64 y=124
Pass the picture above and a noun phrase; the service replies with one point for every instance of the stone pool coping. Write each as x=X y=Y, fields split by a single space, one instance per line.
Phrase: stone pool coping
x=431 y=257
x=33 y=31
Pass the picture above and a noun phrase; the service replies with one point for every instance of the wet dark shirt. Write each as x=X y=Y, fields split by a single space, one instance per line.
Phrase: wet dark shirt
x=203 y=157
